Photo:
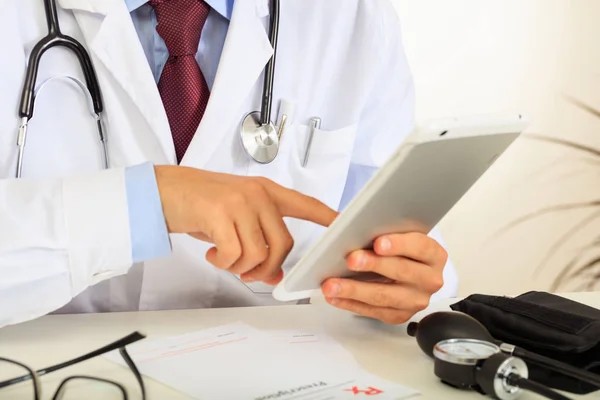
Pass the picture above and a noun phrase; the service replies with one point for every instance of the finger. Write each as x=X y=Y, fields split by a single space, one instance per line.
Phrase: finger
x=398 y=269
x=280 y=244
x=254 y=246
x=228 y=248
x=386 y=315
x=294 y=204
x=276 y=279
x=399 y=297
x=416 y=246
x=201 y=236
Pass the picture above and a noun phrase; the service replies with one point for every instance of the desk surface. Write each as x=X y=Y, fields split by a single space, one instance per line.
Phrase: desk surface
x=382 y=350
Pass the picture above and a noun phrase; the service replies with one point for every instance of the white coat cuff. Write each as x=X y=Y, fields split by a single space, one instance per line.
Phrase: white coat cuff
x=97 y=221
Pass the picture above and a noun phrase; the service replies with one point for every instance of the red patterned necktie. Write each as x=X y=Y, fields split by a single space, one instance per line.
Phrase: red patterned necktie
x=182 y=86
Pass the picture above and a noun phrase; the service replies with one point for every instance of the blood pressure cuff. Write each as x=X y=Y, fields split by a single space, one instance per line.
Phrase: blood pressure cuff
x=545 y=324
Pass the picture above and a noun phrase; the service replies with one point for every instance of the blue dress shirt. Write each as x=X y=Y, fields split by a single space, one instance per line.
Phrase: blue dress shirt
x=149 y=236
x=148 y=229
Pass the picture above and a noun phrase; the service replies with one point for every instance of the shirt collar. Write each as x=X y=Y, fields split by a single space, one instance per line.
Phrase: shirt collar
x=223 y=7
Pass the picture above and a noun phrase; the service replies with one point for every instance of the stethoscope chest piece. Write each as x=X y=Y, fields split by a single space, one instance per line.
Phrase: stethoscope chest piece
x=261 y=141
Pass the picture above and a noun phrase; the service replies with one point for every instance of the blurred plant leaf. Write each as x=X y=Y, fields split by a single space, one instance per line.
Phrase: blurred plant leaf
x=556 y=246
x=563 y=142
x=548 y=210
x=582 y=105
x=569 y=272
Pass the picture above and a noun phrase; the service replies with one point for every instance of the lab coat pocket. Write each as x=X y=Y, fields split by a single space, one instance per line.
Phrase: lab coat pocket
x=322 y=177
x=319 y=165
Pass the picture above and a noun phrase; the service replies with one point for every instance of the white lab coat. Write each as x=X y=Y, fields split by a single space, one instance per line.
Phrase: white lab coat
x=340 y=60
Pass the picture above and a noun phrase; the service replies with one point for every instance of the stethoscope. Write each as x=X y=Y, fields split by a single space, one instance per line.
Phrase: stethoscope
x=260 y=139
x=55 y=38
x=258 y=134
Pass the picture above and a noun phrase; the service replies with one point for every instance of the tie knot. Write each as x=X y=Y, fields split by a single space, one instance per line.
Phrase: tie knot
x=180 y=24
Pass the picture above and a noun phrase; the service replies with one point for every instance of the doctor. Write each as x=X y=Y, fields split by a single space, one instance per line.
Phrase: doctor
x=177 y=78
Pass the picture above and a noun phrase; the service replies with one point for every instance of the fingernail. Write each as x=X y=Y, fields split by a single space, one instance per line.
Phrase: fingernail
x=248 y=279
x=333 y=301
x=334 y=289
x=385 y=244
x=361 y=261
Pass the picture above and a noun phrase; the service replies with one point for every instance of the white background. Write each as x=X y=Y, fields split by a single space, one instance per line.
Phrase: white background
x=489 y=56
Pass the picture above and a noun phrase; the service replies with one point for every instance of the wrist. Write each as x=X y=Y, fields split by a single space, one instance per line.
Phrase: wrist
x=172 y=187
x=161 y=172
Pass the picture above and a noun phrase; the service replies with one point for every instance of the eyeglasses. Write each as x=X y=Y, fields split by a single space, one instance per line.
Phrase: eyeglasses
x=70 y=385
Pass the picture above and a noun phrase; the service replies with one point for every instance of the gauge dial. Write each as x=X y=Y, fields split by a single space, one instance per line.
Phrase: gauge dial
x=464 y=351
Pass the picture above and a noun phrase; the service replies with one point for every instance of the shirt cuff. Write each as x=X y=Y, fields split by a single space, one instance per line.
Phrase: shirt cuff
x=149 y=234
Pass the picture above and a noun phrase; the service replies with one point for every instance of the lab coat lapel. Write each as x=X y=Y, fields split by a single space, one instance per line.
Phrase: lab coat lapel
x=246 y=52
x=116 y=44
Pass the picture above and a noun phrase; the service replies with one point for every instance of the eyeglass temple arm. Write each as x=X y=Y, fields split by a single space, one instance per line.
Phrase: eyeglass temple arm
x=32 y=375
x=132 y=338
x=134 y=369
x=121 y=343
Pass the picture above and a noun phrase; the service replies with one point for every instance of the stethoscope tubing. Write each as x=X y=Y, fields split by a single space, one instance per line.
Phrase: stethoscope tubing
x=55 y=38
x=269 y=83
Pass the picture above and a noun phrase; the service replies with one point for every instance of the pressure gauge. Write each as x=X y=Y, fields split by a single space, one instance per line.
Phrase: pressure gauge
x=478 y=365
x=464 y=351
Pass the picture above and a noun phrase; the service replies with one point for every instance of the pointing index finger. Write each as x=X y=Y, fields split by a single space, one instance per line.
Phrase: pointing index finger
x=294 y=204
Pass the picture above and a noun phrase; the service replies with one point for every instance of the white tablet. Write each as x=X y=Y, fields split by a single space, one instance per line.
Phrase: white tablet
x=429 y=173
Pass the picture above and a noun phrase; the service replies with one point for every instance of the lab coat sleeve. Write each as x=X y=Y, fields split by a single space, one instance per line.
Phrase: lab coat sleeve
x=387 y=119
x=59 y=237
x=388 y=113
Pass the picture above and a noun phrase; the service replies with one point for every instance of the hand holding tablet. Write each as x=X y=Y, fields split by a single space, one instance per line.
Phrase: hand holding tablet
x=391 y=217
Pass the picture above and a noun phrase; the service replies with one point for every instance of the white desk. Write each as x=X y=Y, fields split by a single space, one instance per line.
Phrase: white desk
x=385 y=351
